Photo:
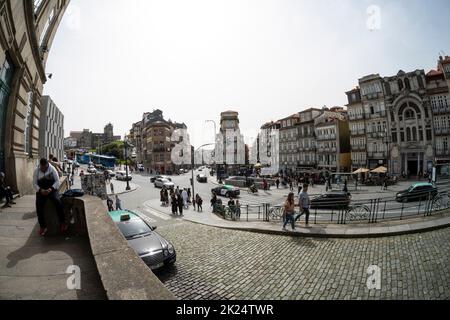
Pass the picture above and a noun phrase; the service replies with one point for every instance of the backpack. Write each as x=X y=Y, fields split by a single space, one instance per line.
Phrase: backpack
x=73 y=193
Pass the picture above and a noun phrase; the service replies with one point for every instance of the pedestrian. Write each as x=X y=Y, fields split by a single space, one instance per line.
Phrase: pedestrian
x=199 y=202
x=5 y=192
x=184 y=195
x=291 y=187
x=213 y=201
x=174 y=203
x=345 y=189
x=118 y=203
x=289 y=209
x=299 y=188
x=180 y=204
x=385 y=183
x=111 y=187
x=277 y=182
x=238 y=210
x=46 y=183
x=189 y=195
x=194 y=202
x=110 y=204
x=161 y=197
x=304 y=204
x=166 y=197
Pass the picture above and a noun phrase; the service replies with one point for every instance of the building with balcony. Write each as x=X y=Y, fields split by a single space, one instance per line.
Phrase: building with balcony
x=152 y=140
x=288 y=143
x=333 y=141
x=371 y=110
x=229 y=152
x=306 y=138
x=357 y=126
x=51 y=130
x=437 y=84
x=27 y=30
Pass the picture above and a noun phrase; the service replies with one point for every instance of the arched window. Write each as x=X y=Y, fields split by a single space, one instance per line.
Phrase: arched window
x=408 y=134
x=372 y=110
x=407 y=84
x=414 y=134
x=400 y=84
x=410 y=114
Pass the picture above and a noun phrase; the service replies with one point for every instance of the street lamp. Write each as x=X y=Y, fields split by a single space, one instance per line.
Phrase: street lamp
x=192 y=166
x=126 y=146
x=387 y=140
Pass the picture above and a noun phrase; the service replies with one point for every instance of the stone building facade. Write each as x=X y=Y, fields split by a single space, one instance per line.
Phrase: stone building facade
x=411 y=143
x=357 y=126
x=152 y=141
x=27 y=30
x=288 y=137
x=333 y=141
x=51 y=130
x=307 y=151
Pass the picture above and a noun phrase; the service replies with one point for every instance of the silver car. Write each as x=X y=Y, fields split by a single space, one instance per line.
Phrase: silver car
x=163 y=182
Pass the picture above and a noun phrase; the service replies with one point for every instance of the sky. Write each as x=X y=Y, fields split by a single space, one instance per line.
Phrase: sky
x=113 y=60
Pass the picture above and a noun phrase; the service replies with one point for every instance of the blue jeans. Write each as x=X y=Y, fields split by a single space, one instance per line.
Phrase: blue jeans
x=289 y=218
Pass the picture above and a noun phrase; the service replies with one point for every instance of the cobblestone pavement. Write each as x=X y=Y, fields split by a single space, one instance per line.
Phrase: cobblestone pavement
x=223 y=264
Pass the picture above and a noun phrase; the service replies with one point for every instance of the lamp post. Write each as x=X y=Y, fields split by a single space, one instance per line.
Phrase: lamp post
x=126 y=145
x=386 y=140
x=192 y=166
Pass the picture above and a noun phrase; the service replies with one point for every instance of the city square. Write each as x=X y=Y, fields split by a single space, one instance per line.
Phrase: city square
x=204 y=150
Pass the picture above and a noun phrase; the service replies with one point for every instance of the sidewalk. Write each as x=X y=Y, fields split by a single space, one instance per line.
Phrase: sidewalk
x=33 y=267
x=386 y=228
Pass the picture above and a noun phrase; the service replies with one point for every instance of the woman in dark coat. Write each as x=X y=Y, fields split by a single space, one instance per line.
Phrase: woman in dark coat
x=180 y=204
x=174 y=204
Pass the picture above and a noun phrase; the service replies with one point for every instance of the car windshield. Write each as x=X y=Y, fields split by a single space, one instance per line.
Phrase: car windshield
x=134 y=228
x=164 y=180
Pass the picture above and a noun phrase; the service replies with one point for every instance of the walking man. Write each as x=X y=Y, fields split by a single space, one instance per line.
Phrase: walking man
x=112 y=187
x=304 y=204
x=46 y=183
x=118 y=203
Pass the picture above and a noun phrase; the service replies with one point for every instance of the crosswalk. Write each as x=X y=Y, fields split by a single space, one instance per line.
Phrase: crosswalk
x=148 y=208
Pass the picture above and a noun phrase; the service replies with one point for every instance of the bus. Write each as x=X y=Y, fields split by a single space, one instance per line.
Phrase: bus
x=108 y=162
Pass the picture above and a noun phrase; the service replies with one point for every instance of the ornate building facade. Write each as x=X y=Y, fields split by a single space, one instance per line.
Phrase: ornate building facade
x=27 y=30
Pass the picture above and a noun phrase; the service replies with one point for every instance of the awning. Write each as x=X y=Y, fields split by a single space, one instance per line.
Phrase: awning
x=361 y=170
x=379 y=170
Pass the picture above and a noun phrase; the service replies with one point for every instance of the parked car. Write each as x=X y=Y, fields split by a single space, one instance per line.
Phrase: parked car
x=331 y=200
x=122 y=176
x=156 y=251
x=91 y=169
x=418 y=191
x=227 y=191
x=181 y=171
x=202 y=178
x=162 y=182
x=152 y=179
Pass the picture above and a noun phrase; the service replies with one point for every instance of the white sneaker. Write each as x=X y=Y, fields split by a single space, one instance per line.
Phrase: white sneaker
x=284 y=229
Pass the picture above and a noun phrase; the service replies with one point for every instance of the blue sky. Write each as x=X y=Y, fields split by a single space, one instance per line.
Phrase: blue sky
x=114 y=59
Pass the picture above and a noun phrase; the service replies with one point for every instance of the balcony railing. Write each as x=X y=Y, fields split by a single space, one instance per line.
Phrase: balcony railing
x=443 y=152
x=358 y=132
x=327 y=137
x=359 y=147
x=377 y=155
x=441 y=110
x=440 y=131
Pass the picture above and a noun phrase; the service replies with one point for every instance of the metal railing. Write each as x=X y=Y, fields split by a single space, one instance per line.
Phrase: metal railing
x=343 y=212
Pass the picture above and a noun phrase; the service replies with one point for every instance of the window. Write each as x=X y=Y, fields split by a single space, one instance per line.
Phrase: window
x=28 y=124
x=407 y=84
x=420 y=82
x=408 y=134
x=400 y=84
x=414 y=134
x=429 y=135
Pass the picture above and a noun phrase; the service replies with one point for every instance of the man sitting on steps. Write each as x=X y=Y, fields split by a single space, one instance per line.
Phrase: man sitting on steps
x=46 y=183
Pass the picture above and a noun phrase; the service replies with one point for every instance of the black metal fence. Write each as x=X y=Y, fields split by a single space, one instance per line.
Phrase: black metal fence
x=361 y=211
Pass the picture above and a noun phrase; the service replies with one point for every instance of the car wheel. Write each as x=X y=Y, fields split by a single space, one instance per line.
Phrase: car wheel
x=227 y=194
